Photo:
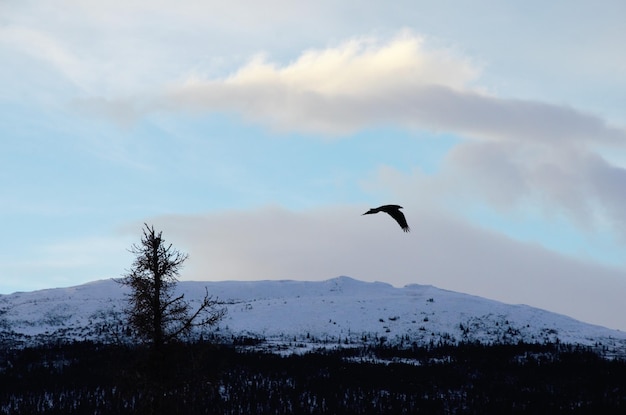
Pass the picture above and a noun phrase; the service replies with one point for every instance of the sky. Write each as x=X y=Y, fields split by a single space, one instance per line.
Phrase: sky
x=255 y=134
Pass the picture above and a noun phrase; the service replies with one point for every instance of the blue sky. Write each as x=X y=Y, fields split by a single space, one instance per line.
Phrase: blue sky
x=255 y=135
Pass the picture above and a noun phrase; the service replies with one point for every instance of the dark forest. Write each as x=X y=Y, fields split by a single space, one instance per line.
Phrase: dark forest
x=204 y=378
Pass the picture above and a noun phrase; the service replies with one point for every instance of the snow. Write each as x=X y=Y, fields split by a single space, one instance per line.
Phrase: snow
x=301 y=314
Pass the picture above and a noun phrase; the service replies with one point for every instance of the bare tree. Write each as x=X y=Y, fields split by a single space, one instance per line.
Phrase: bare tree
x=155 y=313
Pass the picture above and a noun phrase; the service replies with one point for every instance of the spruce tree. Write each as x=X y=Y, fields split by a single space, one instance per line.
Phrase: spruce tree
x=155 y=313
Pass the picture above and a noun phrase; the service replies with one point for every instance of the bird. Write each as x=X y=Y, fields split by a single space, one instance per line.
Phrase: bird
x=394 y=212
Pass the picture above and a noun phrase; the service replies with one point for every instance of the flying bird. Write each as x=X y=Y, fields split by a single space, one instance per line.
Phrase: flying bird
x=394 y=212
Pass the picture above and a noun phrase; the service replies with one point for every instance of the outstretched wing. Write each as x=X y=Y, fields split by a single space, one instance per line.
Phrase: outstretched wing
x=399 y=217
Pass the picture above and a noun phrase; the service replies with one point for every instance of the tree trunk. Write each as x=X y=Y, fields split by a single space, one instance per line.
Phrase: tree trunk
x=158 y=314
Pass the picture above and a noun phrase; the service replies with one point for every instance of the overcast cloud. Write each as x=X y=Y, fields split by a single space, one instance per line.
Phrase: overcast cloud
x=256 y=134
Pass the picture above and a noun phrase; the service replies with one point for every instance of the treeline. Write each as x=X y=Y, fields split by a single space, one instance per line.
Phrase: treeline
x=201 y=378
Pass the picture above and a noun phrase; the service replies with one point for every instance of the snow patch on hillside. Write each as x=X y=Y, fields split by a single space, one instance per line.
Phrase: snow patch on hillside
x=299 y=313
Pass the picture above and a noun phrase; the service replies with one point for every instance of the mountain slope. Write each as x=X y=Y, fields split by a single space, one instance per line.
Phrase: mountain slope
x=299 y=313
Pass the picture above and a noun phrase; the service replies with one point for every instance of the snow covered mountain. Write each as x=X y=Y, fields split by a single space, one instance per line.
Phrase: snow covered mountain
x=291 y=315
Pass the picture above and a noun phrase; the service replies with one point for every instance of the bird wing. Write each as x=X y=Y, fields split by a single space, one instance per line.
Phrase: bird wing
x=399 y=217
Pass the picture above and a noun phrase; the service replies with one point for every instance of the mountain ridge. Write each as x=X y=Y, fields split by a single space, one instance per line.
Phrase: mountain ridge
x=298 y=315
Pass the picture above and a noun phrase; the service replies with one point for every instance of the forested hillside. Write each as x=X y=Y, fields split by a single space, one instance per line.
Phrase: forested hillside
x=201 y=378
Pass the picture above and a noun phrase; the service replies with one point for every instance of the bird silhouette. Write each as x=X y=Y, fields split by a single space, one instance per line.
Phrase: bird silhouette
x=394 y=212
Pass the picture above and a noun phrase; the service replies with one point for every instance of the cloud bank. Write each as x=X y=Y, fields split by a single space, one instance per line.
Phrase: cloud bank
x=276 y=243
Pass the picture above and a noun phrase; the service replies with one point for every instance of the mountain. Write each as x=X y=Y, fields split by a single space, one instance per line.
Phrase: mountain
x=299 y=315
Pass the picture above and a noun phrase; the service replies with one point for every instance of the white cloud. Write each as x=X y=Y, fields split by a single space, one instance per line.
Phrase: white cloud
x=560 y=179
x=360 y=67
x=335 y=90
x=516 y=179
x=364 y=82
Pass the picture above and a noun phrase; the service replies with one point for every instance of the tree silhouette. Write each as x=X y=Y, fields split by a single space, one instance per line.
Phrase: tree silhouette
x=155 y=314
